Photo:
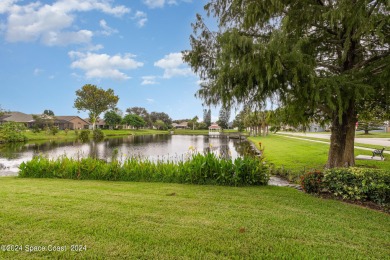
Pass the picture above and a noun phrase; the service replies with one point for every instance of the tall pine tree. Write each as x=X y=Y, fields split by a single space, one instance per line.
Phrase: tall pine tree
x=224 y=116
x=320 y=59
x=207 y=117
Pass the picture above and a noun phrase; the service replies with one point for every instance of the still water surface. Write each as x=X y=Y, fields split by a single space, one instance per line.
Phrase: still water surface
x=153 y=147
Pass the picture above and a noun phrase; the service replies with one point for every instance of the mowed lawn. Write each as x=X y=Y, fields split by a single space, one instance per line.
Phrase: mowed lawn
x=303 y=155
x=173 y=221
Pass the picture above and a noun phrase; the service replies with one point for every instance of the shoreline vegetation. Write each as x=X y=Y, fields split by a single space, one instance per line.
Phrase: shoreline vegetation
x=71 y=134
x=196 y=168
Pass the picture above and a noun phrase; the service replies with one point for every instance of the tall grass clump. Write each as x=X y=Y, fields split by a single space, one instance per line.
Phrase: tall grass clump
x=198 y=169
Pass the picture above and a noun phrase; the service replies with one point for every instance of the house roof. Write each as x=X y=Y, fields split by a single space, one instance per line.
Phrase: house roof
x=183 y=124
x=214 y=126
x=18 y=117
x=70 y=118
x=67 y=118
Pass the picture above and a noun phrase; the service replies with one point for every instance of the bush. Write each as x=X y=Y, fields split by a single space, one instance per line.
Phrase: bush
x=54 y=130
x=84 y=135
x=66 y=131
x=12 y=132
x=98 y=135
x=311 y=182
x=36 y=129
x=359 y=184
x=199 y=169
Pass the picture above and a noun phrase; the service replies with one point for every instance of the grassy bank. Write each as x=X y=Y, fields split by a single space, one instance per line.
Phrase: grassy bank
x=199 y=132
x=360 y=134
x=190 y=132
x=173 y=221
x=299 y=156
x=71 y=135
x=325 y=139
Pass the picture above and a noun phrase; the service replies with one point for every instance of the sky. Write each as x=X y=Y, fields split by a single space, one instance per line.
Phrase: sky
x=50 y=49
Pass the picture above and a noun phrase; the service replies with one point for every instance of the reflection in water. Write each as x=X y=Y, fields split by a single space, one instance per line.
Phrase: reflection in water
x=153 y=147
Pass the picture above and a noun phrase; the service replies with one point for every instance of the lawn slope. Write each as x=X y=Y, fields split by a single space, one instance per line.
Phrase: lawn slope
x=304 y=155
x=173 y=221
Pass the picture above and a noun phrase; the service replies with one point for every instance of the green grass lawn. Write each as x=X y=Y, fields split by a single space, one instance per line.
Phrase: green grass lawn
x=302 y=155
x=173 y=221
x=61 y=135
x=200 y=132
x=361 y=134
x=327 y=140
x=190 y=132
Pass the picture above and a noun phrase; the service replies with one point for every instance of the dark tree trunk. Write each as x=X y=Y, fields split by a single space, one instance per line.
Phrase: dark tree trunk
x=366 y=131
x=341 y=150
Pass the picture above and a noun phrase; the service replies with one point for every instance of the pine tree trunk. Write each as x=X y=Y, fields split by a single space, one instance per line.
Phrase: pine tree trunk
x=341 y=150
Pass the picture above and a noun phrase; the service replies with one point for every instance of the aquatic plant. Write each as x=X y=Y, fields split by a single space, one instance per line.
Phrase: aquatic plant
x=199 y=168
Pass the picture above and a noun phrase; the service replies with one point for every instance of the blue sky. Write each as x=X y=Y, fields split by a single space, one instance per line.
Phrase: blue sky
x=49 y=49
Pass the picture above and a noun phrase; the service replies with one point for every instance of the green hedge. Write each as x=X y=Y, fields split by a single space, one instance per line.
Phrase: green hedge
x=361 y=184
x=199 y=169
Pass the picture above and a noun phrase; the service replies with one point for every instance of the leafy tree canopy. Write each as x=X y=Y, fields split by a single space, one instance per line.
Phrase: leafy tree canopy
x=142 y=112
x=154 y=116
x=159 y=124
x=317 y=59
x=134 y=120
x=48 y=112
x=95 y=100
x=112 y=118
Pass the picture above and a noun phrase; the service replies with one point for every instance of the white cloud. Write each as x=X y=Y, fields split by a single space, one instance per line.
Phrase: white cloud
x=173 y=65
x=107 y=30
x=65 y=38
x=52 y=24
x=141 y=18
x=150 y=100
x=154 y=3
x=5 y=5
x=94 y=47
x=37 y=71
x=161 y=3
x=149 y=80
x=103 y=65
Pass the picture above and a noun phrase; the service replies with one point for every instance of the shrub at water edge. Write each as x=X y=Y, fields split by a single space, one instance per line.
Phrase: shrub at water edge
x=98 y=134
x=12 y=132
x=199 y=169
x=84 y=135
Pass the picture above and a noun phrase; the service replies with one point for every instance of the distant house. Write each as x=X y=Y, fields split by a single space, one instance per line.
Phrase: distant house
x=100 y=123
x=18 y=117
x=214 y=129
x=182 y=125
x=62 y=122
x=70 y=122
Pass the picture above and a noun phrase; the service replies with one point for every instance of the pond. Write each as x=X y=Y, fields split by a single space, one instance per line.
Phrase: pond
x=152 y=147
